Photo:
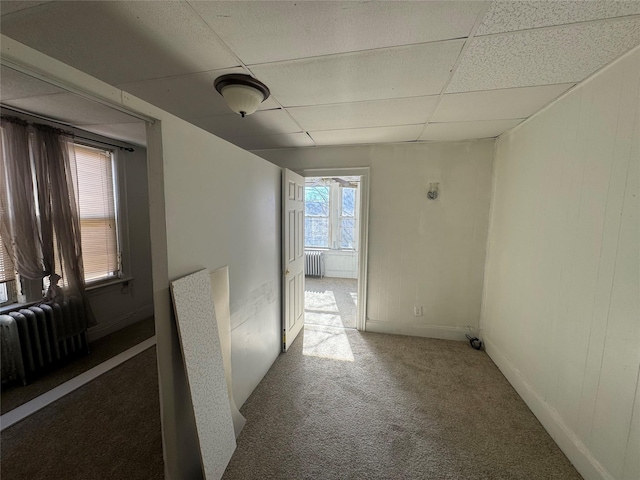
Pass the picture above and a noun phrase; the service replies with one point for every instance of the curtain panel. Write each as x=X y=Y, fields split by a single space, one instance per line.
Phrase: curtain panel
x=40 y=224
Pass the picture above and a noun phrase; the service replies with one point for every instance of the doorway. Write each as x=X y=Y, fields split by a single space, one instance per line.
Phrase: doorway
x=335 y=245
x=331 y=250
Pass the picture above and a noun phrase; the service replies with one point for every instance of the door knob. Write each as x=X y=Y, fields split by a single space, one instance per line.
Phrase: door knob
x=287 y=272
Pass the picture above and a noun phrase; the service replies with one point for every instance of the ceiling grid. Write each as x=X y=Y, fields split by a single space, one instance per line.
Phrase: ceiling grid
x=339 y=72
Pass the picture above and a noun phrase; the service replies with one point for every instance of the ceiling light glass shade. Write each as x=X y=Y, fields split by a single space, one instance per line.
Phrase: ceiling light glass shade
x=242 y=93
x=242 y=99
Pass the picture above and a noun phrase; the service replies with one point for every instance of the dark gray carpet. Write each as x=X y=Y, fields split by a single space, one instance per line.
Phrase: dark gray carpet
x=107 y=429
x=404 y=408
x=102 y=349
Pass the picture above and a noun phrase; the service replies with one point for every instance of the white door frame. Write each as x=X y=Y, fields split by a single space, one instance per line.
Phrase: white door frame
x=363 y=242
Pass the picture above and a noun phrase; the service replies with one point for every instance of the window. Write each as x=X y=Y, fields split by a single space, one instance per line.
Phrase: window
x=330 y=213
x=98 y=219
x=98 y=223
x=316 y=216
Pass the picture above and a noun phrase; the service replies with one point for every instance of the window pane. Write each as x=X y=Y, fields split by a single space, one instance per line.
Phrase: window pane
x=8 y=292
x=348 y=202
x=316 y=232
x=316 y=211
x=347 y=230
x=316 y=201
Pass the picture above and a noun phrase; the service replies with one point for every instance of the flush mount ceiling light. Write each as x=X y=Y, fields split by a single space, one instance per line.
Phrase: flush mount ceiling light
x=243 y=93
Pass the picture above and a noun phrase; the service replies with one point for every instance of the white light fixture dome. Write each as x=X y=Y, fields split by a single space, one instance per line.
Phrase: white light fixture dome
x=243 y=93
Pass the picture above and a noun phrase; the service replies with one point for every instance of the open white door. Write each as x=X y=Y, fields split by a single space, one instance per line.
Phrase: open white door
x=292 y=256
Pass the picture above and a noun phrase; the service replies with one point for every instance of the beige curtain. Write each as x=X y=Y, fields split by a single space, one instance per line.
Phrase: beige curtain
x=19 y=227
x=44 y=155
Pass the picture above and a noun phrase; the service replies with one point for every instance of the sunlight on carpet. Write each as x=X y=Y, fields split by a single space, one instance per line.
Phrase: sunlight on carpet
x=325 y=319
x=320 y=301
x=327 y=342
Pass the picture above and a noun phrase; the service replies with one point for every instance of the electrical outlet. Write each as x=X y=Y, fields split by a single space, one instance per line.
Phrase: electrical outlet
x=417 y=310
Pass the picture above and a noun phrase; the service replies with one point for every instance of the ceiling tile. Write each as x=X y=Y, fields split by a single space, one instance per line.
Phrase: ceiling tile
x=16 y=84
x=70 y=108
x=260 y=32
x=409 y=71
x=8 y=7
x=543 y=57
x=402 y=133
x=496 y=104
x=508 y=16
x=263 y=142
x=398 y=111
x=467 y=130
x=266 y=122
x=188 y=96
x=127 y=132
x=121 y=42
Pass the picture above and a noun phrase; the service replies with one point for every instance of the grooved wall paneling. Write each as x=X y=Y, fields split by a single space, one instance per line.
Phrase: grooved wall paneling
x=561 y=288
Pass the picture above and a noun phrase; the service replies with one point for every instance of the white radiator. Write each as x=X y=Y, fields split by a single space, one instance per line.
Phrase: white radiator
x=314 y=263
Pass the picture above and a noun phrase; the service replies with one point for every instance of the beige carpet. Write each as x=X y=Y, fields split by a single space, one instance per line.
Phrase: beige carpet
x=346 y=405
x=330 y=301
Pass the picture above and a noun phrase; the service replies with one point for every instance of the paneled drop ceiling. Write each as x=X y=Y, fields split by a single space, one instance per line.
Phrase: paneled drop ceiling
x=339 y=72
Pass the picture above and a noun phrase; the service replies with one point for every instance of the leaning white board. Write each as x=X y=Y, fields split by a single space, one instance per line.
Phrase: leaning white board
x=220 y=292
x=202 y=355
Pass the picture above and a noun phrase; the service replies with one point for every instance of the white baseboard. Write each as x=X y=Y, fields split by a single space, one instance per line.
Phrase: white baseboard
x=430 y=331
x=340 y=274
x=576 y=451
x=106 y=328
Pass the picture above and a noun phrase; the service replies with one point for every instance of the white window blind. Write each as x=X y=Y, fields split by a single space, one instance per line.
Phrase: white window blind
x=98 y=223
x=7 y=272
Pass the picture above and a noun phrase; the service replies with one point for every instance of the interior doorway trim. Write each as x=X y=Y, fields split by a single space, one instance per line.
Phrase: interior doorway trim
x=363 y=173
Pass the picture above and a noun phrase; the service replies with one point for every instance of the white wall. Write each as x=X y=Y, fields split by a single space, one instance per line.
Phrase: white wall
x=561 y=314
x=421 y=252
x=114 y=306
x=341 y=263
x=221 y=207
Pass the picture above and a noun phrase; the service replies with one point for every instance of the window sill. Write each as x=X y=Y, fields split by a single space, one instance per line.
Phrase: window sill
x=107 y=283
x=89 y=288
x=12 y=307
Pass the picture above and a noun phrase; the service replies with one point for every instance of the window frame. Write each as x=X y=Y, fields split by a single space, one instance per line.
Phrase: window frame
x=342 y=216
x=335 y=217
x=119 y=198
